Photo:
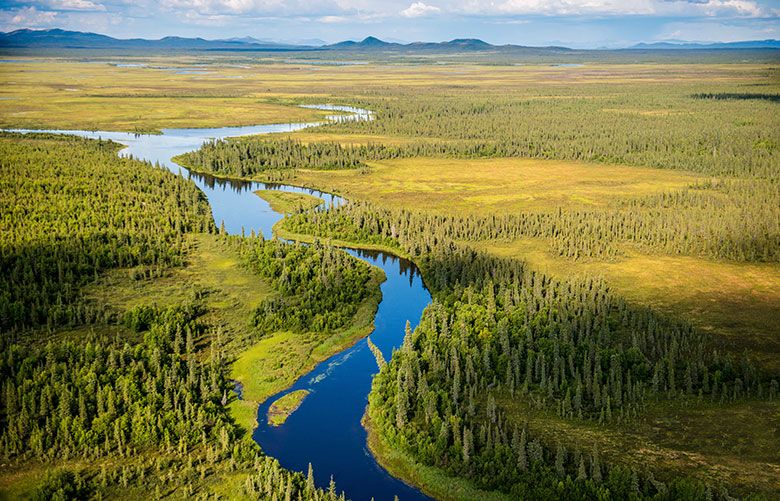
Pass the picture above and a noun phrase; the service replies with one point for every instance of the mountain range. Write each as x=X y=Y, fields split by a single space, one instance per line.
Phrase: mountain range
x=62 y=39
x=747 y=44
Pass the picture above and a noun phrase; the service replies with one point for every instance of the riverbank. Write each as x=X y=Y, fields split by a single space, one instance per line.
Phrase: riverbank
x=283 y=407
x=281 y=232
x=274 y=363
x=287 y=203
x=431 y=481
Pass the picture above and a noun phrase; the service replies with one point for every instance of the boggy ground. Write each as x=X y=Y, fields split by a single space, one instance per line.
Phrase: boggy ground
x=737 y=301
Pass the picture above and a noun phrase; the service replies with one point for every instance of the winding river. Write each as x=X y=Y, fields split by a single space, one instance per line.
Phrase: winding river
x=325 y=430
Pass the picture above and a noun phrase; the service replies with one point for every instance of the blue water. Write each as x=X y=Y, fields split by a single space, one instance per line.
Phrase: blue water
x=232 y=202
x=325 y=430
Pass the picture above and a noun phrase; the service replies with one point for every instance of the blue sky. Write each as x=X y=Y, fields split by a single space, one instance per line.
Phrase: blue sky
x=574 y=23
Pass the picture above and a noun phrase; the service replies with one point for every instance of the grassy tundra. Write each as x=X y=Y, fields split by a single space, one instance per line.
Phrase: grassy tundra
x=622 y=173
x=657 y=183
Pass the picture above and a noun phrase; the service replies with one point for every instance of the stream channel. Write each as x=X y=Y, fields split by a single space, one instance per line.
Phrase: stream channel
x=325 y=430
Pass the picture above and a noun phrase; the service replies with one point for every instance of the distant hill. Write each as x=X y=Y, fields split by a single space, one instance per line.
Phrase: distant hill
x=298 y=42
x=369 y=44
x=366 y=43
x=462 y=44
x=748 y=44
x=62 y=39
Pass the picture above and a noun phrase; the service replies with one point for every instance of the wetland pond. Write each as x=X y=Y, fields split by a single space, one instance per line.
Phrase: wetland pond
x=325 y=430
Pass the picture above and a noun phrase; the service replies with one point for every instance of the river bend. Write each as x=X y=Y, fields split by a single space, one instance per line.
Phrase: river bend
x=325 y=430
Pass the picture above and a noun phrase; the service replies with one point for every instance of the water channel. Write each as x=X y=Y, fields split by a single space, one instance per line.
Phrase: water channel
x=325 y=430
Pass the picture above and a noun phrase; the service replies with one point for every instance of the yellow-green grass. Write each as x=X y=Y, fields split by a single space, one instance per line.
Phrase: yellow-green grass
x=268 y=367
x=59 y=95
x=232 y=292
x=275 y=362
x=308 y=136
x=287 y=203
x=56 y=93
x=496 y=185
x=432 y=481
x=732 y=443
x=283 y=407
x=738 y=302
x=282 y=232
x=144 y=114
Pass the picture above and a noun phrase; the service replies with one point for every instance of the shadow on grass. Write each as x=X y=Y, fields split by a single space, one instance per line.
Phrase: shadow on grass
x=742 y=96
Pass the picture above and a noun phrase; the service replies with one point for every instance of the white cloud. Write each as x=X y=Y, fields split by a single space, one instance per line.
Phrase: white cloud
x=739 y=8
x=333 y=19
x=29 y=17
x=568 y=7
x=74 y=5
x=419 y=9
x=336 y=19
x=713 y=31
x=280 y=8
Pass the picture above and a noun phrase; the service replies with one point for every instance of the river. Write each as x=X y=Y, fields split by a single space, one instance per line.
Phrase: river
x=325 y=430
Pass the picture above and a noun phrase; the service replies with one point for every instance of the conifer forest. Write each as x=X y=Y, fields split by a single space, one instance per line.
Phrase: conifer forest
x=383 y=271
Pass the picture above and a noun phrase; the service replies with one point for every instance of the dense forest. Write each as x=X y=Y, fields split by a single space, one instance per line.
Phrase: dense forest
x=240 y=158
x=499 y=331
x=71 y=208
x=709 y=225
x=140 y=397
x=319 y=288
x=151 y=402
x=724 y=218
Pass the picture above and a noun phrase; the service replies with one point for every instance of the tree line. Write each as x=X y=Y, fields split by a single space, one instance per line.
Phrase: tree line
x=241 y=157
x=498 y=331
x=721 y=224
x=319 y=288
x=71 y=208
x=135 y=402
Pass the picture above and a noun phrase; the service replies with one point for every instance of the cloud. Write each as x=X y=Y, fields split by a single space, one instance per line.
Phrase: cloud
x=419 y=9
x=271 y=8
x=74 y=5
x=716 y=31
x=28 y=17
x=567 y=7
x=333 y=19
x=739 y=8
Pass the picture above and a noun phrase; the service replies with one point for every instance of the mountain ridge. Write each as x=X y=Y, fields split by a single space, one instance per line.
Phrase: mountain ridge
x=743 y=44
x=57 y=38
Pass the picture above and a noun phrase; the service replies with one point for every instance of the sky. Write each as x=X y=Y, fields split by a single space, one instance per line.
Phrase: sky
x=572 y=23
